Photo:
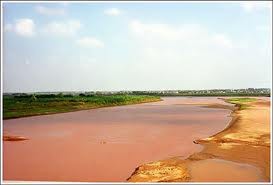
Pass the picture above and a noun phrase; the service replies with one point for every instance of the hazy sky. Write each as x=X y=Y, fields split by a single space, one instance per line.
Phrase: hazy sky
x=136 y=46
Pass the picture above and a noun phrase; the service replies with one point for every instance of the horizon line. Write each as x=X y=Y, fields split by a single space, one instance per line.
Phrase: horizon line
x=60 y=91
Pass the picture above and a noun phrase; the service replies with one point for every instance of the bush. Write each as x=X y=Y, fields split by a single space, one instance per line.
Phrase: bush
x=33 y=97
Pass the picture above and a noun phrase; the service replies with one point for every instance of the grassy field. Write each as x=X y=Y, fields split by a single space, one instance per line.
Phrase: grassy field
x=242 y=102
x=30 y=105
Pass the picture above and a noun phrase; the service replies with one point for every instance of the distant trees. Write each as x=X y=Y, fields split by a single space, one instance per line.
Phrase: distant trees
x=33 y=97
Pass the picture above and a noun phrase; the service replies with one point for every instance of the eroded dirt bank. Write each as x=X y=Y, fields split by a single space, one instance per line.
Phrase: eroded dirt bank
x=240 y=153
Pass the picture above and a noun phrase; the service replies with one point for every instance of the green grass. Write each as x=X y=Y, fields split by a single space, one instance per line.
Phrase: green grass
x=241 y=102
x=30 y=105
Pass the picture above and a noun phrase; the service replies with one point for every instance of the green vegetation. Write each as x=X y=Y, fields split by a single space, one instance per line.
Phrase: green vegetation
x=15 y=106
x=241 y=102
x=211 y=92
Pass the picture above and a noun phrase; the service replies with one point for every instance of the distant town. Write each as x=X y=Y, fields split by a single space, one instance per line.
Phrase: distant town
x=211 y=92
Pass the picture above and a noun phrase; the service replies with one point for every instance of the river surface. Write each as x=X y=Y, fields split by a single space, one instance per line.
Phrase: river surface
x=107 y=144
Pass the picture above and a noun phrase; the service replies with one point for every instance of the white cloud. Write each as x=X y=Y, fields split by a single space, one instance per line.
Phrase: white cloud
x=90 y=42
x=23 y=27
x=264 y=28
x=27 y=62
x=50 y=11
x=8 y=27
x=222 y=40
x=165 y=31
x=186 y=35
x=65 y=3
x=250 y=6
x=112 y=11
x=156 y=30
x=68 y=28
x=177 y=53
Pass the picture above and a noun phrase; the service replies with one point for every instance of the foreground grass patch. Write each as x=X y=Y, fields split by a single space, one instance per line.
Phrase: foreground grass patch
x=242 y=102
x=30 y=105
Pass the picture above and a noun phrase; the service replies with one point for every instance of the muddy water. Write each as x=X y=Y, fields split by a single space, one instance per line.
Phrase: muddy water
x=107 y=144
x=223 y=171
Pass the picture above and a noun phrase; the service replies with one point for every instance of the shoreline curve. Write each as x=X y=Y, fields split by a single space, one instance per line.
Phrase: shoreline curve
x=215 y=147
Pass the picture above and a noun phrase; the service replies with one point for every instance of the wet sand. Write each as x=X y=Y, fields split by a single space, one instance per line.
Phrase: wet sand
x=107 y=144
x=239 y=153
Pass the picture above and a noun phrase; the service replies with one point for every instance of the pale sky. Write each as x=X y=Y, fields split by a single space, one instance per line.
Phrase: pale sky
x=136 y=46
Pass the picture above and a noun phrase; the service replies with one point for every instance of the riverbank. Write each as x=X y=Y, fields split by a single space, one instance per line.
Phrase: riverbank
x=242 y=148
x=89 y=137
x=33 y=105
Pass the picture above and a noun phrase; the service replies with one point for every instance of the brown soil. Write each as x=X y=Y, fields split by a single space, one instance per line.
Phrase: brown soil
x=14 y=138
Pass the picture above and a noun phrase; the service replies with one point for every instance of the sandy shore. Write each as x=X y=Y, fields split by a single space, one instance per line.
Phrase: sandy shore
x=240 y=153
x=92 y=145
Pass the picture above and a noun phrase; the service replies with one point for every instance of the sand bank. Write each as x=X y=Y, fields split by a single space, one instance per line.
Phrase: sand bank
x=107 y=144
x=13 y=138
x=241 y=148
